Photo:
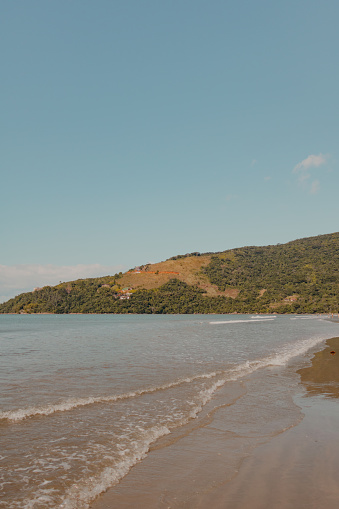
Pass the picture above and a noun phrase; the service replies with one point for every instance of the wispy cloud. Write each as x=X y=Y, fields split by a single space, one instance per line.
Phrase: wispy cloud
x=16 y=279
x=315 y=187
x=304 y=171
x=311 y=161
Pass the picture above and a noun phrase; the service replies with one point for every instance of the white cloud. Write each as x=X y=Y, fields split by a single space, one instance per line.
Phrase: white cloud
x=304 y=171
x=303 y=177
x=16 y=279
x=315 y=187
x=311 y=161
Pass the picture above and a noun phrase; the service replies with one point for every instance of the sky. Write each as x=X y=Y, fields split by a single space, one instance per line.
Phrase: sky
x=135 y=131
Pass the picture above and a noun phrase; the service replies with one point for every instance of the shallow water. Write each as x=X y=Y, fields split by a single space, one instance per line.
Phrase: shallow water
x=84 y=397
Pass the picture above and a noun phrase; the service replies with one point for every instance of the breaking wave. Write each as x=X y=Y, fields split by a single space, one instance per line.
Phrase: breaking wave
x=71 y=403
x=252 y=320
x=279 y=358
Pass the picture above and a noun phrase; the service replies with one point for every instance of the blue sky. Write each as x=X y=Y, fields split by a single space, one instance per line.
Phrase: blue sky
x=134 y=131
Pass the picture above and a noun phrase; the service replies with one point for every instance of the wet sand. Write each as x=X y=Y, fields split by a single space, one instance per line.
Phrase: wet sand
x=214 y=467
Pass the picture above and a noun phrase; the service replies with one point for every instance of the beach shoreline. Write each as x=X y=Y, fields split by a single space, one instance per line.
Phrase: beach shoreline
x=289 y=469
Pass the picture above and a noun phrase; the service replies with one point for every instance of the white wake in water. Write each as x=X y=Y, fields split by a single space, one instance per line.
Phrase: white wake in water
x=253 y=320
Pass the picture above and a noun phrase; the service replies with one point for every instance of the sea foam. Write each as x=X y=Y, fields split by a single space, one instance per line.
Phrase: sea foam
x=252 y=320
x=71 y=403
x=279 y=358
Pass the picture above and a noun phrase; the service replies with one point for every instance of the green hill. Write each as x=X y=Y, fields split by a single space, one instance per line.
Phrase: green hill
x=301 y=276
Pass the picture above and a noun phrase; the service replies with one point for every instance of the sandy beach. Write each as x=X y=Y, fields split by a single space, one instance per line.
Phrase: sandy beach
x=214 y=467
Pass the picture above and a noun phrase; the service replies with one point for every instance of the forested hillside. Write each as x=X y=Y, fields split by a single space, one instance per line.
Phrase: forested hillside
x=298 y=277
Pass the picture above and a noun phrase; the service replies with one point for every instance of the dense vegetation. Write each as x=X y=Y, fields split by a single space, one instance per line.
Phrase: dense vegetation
x=302 y=275
x=299 y=277
x=89 y=296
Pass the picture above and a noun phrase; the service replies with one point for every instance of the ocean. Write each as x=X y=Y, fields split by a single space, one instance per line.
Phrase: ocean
x=85 y=397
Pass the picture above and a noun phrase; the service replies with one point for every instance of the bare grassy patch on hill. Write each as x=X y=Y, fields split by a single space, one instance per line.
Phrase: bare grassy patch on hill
x=186 y=269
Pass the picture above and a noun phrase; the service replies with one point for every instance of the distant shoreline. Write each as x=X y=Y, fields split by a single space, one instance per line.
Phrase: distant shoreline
x=325 y=316
x=297 y=277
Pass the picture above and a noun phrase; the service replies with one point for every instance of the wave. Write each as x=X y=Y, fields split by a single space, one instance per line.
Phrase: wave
x=71 y=403
x=80 y=495
x=279 y=358
x=305 y=318
x=252 y=320
x=264 y=316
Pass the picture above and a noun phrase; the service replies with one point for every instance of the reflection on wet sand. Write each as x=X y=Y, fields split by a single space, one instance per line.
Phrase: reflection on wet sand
x=322 y=377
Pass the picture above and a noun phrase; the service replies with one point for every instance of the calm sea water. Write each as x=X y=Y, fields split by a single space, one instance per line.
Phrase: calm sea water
x=83 y=397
